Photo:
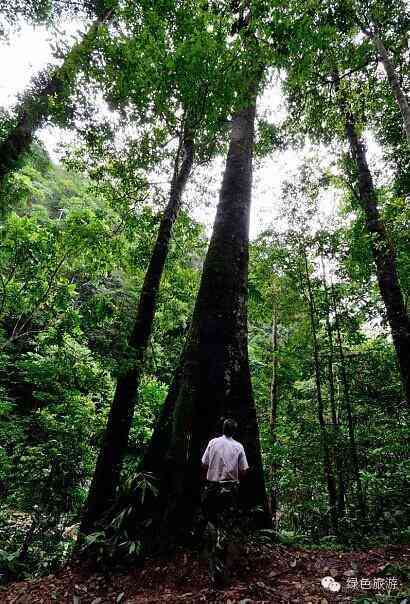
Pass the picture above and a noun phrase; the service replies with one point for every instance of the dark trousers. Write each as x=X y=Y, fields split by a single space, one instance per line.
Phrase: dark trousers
x=220 y=507
x=220 y=501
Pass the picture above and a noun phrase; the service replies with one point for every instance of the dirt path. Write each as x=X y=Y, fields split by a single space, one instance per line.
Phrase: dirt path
x=267 y=573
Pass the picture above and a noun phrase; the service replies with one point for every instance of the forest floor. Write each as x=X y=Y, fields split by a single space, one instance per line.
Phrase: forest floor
x=264 y=573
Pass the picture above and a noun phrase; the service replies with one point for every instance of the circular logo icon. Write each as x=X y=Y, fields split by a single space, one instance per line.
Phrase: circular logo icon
x=330 y=584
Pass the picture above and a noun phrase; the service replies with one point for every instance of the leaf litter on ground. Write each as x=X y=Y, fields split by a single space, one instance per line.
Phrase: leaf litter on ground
x=260 y=574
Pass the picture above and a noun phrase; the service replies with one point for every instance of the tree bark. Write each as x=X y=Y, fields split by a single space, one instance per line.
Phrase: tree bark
x=328 y=474
x=37 y=104
x=383 y=254
x=108 y=467
x=214 y=377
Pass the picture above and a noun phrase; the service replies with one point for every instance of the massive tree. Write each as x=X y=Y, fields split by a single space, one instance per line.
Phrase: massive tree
x=202 y=105
x=213 y=378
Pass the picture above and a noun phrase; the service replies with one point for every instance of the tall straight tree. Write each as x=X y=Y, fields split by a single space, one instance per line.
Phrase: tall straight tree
x=274 y=389
x=327 y=464
x=49 y=89
x=194 y=53
x=349 y=412
x=213 y=378
x=179 y=90
x=274 y=400
x=383 y=252
x=332 y=396
x=107 y=472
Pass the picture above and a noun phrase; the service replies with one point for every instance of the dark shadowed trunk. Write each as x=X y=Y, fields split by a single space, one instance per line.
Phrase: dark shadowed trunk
x=348 y=406
x=108 y=468
x=214 y=377
x=384 y=257
x=327 y=468
x=36 y=105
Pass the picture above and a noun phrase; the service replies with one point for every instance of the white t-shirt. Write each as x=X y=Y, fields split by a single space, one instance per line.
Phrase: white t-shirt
x=225 y=458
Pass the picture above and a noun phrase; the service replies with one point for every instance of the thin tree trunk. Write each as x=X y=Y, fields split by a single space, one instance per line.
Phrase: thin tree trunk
x=348 y=406
x=393 y=80
x=37 y=104
x=214 y=377
x=274 y=390
x=332 y=397
x=274 y=383
x=108 y=468
x=329 y=478
x=384 y=256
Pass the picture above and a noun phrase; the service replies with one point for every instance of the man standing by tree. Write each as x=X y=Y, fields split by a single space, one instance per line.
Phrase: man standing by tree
x=225 y=464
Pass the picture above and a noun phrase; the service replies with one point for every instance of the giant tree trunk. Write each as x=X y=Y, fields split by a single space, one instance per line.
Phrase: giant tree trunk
x=214 y=378
x=108 y=468
x=37 y=104
x=384 y=256
x=327 y=467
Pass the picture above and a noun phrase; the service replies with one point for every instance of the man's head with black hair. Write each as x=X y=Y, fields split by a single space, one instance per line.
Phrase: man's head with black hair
x=229 y=427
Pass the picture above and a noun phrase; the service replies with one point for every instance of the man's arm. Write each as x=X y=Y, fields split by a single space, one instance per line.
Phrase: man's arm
x=243 y=466
x=204 y=471
x=205 y=462
x=243 y=473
